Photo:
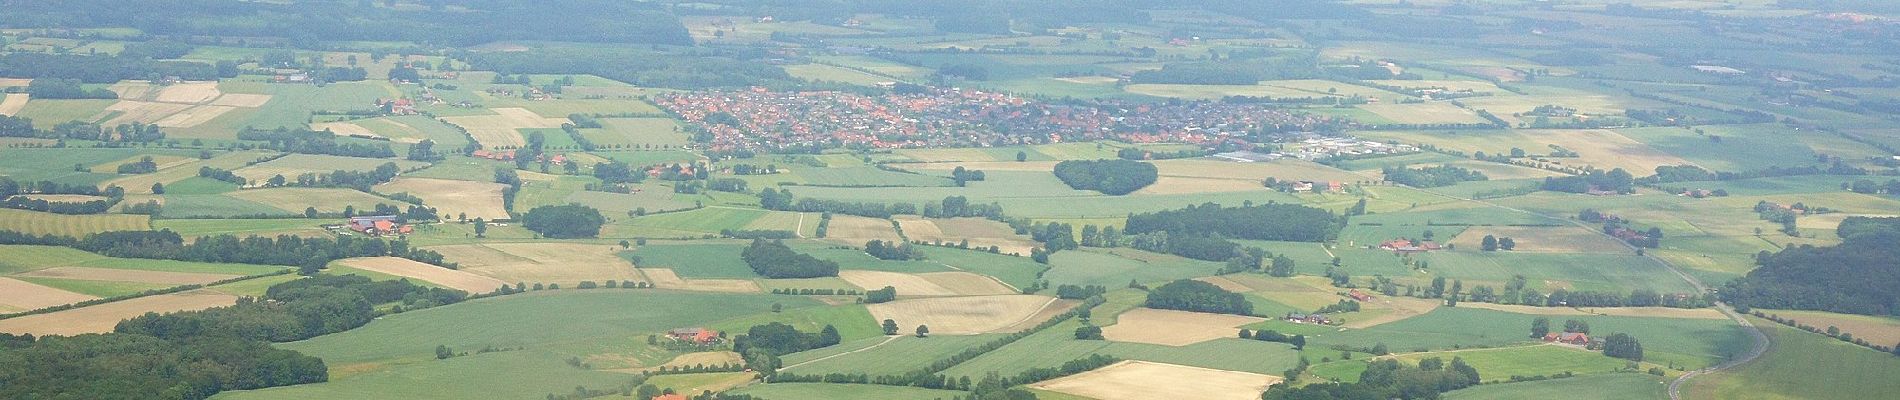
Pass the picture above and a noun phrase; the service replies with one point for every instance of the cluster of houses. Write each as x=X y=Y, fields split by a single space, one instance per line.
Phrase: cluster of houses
x=1318 y=147
x=379 y=225
x=1409 y=246
x=1315 y=318
x=1570 y=338
x=939 y=117
x=1318 y=186
x=397 y=106
x=509 y=155
x=697 y=336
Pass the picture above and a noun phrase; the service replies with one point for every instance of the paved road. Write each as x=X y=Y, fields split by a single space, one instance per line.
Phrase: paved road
x=1675 y=387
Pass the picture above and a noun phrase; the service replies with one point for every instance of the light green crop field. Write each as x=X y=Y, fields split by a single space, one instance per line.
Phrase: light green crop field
x=638 y=133
x=1016 y=271
x=853 y=321
x=78 y=226
x=1547 y=360
x=1598 y=387
x=1801 y=365
x=541 y=321
x=1108 y=269
x=1691 y=343
x=839 y=391
x=695 y=259
x=191 y=228
x=1593 y=272
x=21 y=258
x=906 y=353
x=95 y=288
x=702 y=221
x=1057 y=344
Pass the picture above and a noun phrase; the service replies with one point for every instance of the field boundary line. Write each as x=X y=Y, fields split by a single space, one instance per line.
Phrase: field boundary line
x=886 y=341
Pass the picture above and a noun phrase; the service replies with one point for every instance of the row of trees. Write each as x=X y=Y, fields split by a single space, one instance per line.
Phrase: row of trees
x=1388 y=379
x=1615 y=181
x=306 y=141
x=564 y=221
x=1270 y=221
x=309 y=253
x=132 y=132
x=1443 y=175
x=892 y=250
x=294 y=310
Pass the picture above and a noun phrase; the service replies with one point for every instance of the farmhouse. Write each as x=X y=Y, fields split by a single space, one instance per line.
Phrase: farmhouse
x=1575 y=338
x=694 y=335
x=1409 y=246
x=378 y=225
x=1359 y=296
x=1316 y=319
x=672 y=396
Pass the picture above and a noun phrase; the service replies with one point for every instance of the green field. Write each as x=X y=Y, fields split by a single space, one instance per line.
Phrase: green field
x=1802 y=365
x=694 y=259
x=1594 y=272
x=837 y=391
x=1599 y=387
x=1057 y=344
x=191 y=228
x=1547 y=360
x=78 y=226
x=906 y=353
x=95 y=288
x=1106 y=268
x=638 y=133
x=20 y=258
x=1666 y=341
x=853 y=321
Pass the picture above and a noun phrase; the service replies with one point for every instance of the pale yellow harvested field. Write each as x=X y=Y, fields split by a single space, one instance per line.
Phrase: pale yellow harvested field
x=1226 y=284
x=1398 y=308
x=962 y=315
x=25 y=295
x=1876 y=329
x=127 y=275
x=242 y=100
x=1565 y=239
x=1142 y=380
x=189 y=92
x=325 y=200
x=1828 y=221
x=667 y=279
x=132 y=90
x=193 y=116
x=12 y=103
x=1089 y=80
x=162 y=161
x=1655 y=312
x=1424 y=113
x=501 y=130
x=145 y=112
x=15 y=82
x=452 y=197
x=981 y=233
x=565 y=263
x=1607 y=149
x=1054 y=309
x=1032 y=166
x=928 y=284
x=344 y=128
x=855 y=230
x=101 y=318
x=454 y=279
x=1174 y=328
x=707 y=358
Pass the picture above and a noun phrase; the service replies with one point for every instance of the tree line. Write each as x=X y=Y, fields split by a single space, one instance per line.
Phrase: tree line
x=305 y=141
x=1388 y=379
x=1271 y=221
x=1197 y=296
x=311 y=254
x=1443 y=175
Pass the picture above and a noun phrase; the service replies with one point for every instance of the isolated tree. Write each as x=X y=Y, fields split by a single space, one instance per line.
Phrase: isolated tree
x=890 y=327
x=1507 y=244
x=442 y=352
x=1623 y=346
x=481 y=227
x=1021 y=156
x=1088 y=332
x=310 y=212
x=1575 y=326
x=923 y=331
x=776 y=307
x=829 y=336
x=158 y=188
x=624 y=245
x=1490 y=243
x=1540 y=327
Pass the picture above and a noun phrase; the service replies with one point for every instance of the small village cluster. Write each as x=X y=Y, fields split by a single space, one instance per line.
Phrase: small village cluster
x=937 y=117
